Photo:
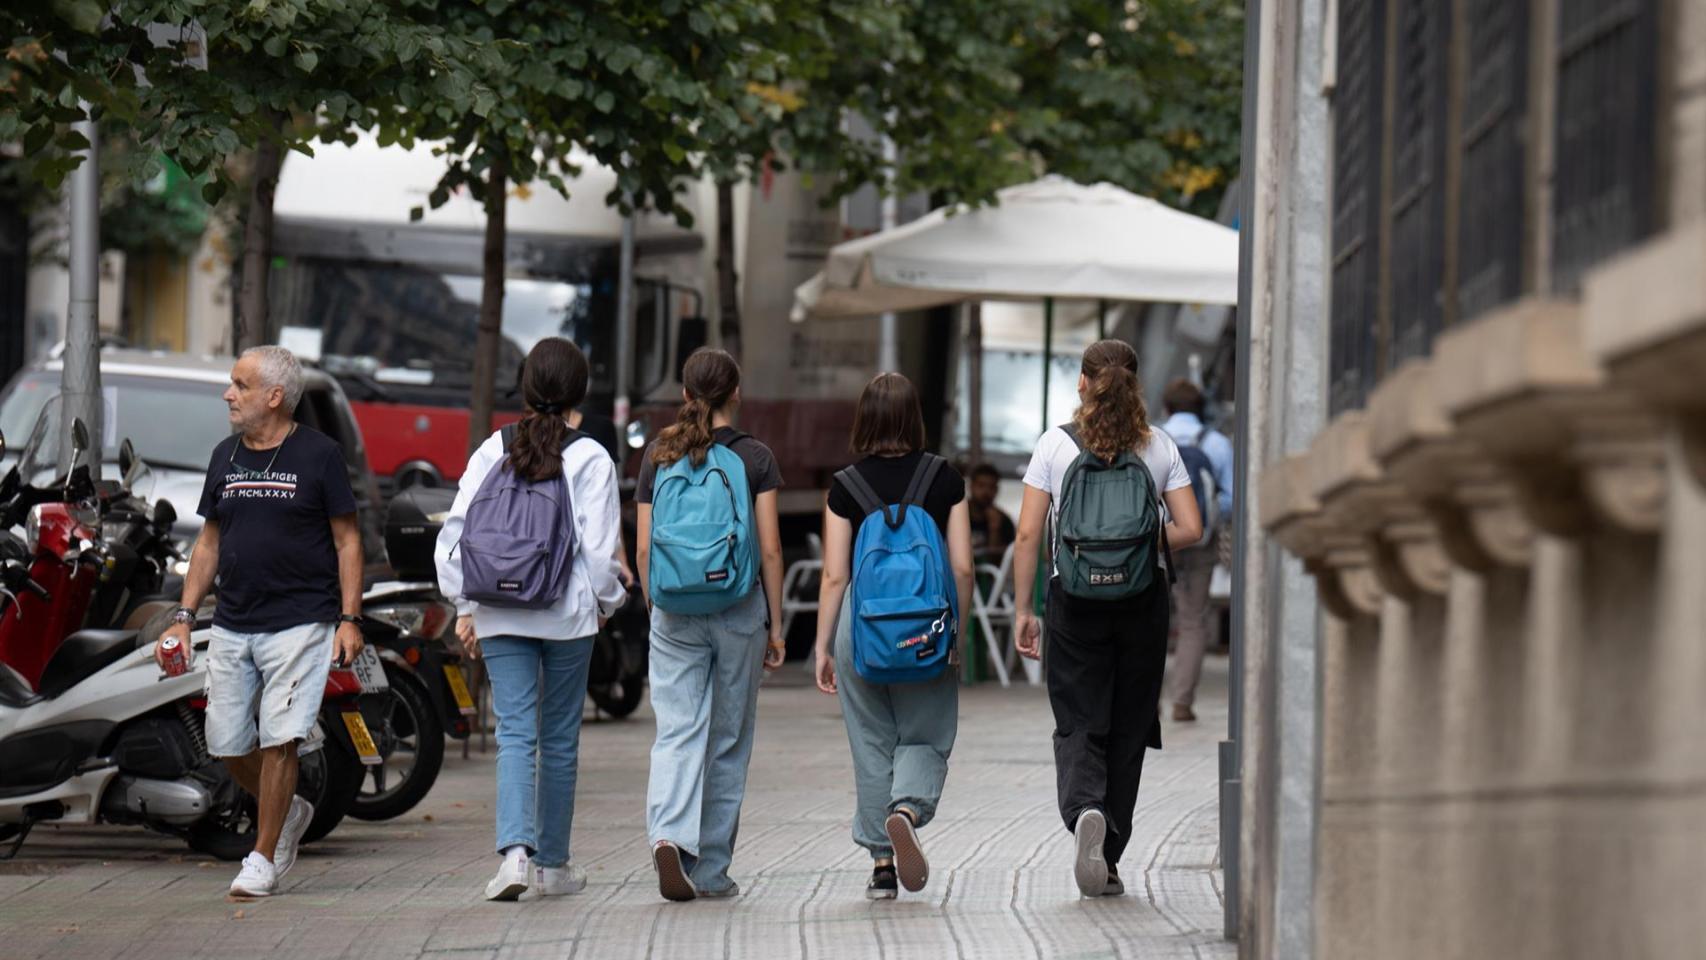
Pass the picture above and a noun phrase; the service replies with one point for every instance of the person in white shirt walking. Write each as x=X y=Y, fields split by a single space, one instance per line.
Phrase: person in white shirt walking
x=538 y=646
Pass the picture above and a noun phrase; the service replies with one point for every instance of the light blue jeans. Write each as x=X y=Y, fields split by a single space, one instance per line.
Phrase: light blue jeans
x=901 y=735
x=705 y=671
x=538 y=690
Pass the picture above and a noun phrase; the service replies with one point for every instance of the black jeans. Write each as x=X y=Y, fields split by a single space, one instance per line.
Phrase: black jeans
x=1104 y=662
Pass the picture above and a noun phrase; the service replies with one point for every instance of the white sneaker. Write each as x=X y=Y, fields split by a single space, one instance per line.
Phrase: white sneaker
x=511 y=880
x=258 y=878
x=290 y=839
x=1089 y=867
x=555 y=882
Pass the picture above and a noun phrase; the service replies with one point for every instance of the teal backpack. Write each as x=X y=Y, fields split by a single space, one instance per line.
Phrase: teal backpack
x=703 y=551
x=1108 y=526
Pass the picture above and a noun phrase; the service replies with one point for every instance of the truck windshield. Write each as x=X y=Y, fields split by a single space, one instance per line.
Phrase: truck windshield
x=408 y=326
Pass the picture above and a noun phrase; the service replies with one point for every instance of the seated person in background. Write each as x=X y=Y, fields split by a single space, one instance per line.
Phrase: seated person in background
x=991 y=530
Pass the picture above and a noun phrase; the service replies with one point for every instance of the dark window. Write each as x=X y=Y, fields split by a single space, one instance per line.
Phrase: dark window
x=1603 y=187
x=1491 y=205
x=1418 y=177
x=1357 y=110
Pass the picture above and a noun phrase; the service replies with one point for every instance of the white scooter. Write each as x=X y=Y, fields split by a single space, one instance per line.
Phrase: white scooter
x=108 y=739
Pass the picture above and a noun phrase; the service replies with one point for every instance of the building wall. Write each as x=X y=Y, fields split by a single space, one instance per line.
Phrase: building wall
x=1506 y=528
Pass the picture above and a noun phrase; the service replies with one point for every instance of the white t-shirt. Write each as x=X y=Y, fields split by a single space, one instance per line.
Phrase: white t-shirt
x=1055 y=452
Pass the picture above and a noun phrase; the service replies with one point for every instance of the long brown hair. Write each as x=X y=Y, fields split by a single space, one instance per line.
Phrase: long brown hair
x=710 y=378
x=888 y=420
x=1111 y=417
x=553 y=382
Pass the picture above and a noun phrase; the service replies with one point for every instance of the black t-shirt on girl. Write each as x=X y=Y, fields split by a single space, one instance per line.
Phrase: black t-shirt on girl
x=762 y=473
x=889 y=477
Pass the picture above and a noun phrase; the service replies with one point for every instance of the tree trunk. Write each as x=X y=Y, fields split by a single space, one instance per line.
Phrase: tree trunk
x=728 y=281
x=489 y=337
x=257 y=246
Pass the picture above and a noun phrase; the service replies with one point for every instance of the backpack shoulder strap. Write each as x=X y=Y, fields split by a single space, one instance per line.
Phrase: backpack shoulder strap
x=863 y=495
x=923 y=477
x=1071 y=430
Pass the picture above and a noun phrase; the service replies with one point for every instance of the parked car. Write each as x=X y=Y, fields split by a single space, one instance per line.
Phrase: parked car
x=169 y=406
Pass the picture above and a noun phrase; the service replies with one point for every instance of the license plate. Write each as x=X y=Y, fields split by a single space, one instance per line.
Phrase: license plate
x=370 y=671
x=459 y=689
x=364 y=745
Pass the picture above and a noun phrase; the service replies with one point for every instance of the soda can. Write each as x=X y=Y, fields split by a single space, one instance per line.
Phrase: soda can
x=173 y=658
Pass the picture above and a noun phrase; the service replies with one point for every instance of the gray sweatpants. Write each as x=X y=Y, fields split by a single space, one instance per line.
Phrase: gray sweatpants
x=901 y=735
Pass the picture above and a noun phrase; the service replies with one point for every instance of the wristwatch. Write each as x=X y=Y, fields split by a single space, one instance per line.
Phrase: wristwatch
x=184 y=615
x=354 y=618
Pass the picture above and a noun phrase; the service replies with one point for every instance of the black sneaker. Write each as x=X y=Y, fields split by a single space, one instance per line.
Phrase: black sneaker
x=914 y=868
x=884 y=885
x=1114 y=888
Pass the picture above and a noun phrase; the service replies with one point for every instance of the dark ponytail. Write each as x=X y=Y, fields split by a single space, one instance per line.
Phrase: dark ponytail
x=710 y=378
x=553 y=382
x=1111 y=417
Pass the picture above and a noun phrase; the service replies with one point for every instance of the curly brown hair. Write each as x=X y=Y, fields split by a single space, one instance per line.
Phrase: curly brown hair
x=710 y=378
x=1111 y=417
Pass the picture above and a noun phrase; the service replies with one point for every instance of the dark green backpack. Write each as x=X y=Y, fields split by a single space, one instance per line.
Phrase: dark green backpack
x=1108 y=526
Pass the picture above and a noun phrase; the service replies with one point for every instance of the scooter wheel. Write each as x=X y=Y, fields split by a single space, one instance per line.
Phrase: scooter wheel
x=412 y=748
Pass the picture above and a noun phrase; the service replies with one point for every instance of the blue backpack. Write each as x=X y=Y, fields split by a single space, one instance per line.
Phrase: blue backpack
x=703 y=550
x=518 y=537
x=905 y=611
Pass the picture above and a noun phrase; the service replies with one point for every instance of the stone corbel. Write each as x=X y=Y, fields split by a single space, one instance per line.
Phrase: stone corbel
x=1417 y=446
x=1293 y=517
x=1346 y=582
x=1521 y=386
x=1645 y=322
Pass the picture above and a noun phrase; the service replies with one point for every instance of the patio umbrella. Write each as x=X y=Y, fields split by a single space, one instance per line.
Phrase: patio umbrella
x=1049 y=239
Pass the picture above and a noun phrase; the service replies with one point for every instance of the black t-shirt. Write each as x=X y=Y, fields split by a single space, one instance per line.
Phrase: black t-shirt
x=762 y=473
x=889 y=477
x=278 y=567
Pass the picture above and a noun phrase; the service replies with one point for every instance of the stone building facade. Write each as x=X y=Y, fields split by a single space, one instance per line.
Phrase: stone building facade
x=1475 y=690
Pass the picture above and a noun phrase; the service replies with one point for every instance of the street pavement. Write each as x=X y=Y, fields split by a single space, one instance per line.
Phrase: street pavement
x=1001 y=881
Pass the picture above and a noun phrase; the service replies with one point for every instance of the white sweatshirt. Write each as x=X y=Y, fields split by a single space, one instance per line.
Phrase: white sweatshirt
x=595 y=586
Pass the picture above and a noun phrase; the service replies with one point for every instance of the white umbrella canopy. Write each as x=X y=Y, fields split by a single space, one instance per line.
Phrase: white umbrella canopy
x=1052 y=238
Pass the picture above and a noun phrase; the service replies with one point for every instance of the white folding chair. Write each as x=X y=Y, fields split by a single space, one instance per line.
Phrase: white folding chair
x=993 y=607
x=799 y=574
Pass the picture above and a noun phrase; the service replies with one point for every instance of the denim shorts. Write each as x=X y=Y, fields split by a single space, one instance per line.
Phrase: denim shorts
x=264 y=689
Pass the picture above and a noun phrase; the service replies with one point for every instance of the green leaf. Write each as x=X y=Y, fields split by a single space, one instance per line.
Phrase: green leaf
x=307 y=60
x=212 y=192
x=407 y=47
x=604 y=102
x=275 y=45
x=84 y=16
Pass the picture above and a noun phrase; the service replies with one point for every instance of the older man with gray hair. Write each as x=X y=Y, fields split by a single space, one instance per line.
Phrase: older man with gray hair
x=282 y=544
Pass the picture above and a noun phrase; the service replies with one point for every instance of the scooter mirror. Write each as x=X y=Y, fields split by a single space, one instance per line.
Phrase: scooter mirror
x=165 y=514
x=126 y=459
x=79 y=438
x=2 y=443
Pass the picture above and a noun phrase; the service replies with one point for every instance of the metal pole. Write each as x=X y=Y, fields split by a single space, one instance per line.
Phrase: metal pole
x=1101 y=319
x=624 y=333
x=888 y=354
x=1231 y=756
x=974 y=367
x=80 y=378
x=1048 y=352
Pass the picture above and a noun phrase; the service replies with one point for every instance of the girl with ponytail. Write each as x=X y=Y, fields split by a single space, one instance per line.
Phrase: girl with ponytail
x=705 y=667
x=1106 y=658
x=538 y=658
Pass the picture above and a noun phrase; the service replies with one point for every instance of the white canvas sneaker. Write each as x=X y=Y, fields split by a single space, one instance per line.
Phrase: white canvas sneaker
x=555 y=882
x=1089 y=867
x=511 y=880
x=290 y=839
x=258 y=878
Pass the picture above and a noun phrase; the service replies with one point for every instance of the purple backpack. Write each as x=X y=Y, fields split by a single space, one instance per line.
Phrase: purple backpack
x=518 y=538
